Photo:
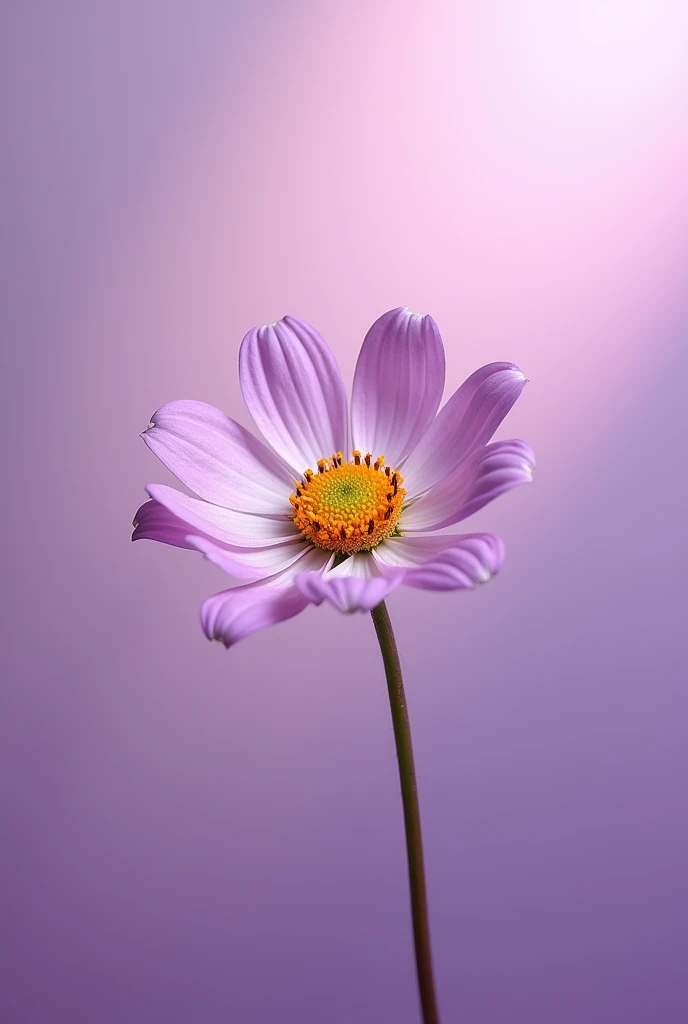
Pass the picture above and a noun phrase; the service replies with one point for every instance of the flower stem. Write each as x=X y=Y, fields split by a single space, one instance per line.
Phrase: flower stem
x=409 y=797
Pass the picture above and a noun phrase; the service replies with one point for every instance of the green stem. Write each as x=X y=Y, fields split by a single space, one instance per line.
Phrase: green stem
x=409 y=797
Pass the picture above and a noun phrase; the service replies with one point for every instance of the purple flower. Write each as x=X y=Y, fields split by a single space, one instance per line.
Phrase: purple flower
x=296 y=519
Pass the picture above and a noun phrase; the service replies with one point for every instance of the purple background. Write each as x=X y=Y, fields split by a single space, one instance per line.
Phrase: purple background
x=194 y=836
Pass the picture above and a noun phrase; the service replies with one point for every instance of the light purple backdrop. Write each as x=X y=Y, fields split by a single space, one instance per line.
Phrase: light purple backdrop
x=193 y=836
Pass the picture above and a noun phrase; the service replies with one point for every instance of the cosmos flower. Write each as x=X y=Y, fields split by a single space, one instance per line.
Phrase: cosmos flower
x=330 y=507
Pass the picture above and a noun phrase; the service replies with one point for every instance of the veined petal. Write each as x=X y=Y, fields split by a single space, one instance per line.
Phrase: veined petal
x=238 y=529
x=410 y=552
x=249 y=563
x=294 y=391
x=346 y=593
x=442 y=563
x=312 y=560
x=361 y=565
x=355 y=585
x=398 y=384
x=487 y=473
x=274 y=567
x=154 y=522
x=466 y=422
x=234 y=614
x=218 y=459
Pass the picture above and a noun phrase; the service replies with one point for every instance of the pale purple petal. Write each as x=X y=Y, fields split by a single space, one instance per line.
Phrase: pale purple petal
x=442 y=563
x=218 y=459
x=466 y=422
x=487 y=473
x=238 y=529
x=275 y=566
x=355 y=585
x=294 y=391
x=249 y=563
x=154 y=522
x=398 y=384
x=360 y=564
x=234 y=614
x=409 y=552
x=347 y=593
x=312 y=560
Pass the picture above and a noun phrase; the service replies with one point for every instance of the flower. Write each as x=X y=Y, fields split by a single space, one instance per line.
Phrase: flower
x=327 y=511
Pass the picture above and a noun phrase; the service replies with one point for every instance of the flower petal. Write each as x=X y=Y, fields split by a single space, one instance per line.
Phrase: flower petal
x=234 y=614
x=238 y=529
x=218 y=459
x=294 y=391
x=249 y=563
x=466 y=422
x=360 y=564
x=485 y=474
x=268 y=567
x=442 y=563
x=154 y=522
x=347 y=593
x=355 y=585
x=398 y=384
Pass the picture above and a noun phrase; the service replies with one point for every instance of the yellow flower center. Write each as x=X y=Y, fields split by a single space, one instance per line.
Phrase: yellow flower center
x=348 y=506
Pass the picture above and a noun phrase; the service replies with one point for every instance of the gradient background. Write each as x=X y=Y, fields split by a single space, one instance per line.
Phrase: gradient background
x=194 y=836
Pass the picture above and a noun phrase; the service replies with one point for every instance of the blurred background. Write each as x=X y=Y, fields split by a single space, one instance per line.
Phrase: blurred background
x=198 y=836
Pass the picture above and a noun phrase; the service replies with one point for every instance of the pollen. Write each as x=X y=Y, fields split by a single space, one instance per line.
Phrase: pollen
x=348 y=506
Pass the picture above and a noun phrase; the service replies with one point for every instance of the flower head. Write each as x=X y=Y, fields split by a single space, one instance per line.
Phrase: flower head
x=332 y=507
x=348 y=506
